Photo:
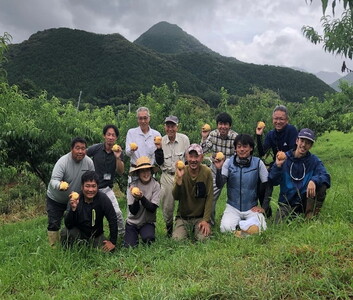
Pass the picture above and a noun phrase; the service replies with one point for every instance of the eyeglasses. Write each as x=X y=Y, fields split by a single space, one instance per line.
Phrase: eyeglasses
x=143 y=118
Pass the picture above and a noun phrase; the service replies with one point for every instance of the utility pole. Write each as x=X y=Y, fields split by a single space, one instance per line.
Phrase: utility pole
x=79 y=99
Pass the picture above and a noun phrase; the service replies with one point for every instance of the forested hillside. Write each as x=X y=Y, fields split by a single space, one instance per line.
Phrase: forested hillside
x=111 y=70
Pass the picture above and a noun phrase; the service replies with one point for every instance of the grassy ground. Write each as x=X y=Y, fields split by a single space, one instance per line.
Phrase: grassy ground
x=299 y=260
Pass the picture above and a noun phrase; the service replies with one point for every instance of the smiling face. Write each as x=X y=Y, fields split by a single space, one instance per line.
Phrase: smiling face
x=143 y=120
x=194 y=160
x=303 y=146
x=110 y=137
x=145 y=175
x=78 y=151
x=279 y=120
x=223 y=128
x=243 y=151
x=89 y=190
x=171 y=129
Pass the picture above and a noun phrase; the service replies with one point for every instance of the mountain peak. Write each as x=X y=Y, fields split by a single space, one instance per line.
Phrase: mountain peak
x=164 y=37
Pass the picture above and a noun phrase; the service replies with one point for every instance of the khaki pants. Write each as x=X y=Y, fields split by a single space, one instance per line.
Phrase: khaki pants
x=167 y=199
x=188 y=228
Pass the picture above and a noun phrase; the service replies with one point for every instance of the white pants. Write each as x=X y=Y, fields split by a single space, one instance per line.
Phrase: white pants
x=121 y=225
x=233 y=217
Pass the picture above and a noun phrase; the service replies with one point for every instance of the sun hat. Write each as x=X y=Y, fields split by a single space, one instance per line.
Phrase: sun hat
x=143 y=162
x=307 y=133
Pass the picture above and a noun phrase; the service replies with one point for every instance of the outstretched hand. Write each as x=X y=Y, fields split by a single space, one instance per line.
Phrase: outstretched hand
x=205 y=228
x=108 y=246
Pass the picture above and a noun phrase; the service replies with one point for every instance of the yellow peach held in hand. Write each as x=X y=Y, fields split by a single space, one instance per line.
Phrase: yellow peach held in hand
x=219 y=156
x=281 y=155
x=261 y=124
x=180 y=165
x=63 y=185
x=206 y=127
x=135 y=191
x=116 y=148
x=74 y=196
x=133 y=146
x=157 y=140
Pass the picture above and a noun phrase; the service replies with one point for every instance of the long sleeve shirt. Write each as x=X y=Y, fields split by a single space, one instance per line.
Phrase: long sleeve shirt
x=294 y=175
x=67 y=169
x=191 y=203
x=283 y=140
x=171 y=152
x=151 y=193
x=145 y=143
x=88 y=217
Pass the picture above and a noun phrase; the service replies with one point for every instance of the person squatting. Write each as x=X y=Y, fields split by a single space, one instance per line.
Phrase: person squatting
x=80 y=190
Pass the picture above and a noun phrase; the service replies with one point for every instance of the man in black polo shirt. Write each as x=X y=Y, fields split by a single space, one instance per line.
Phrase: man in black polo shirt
x=106 y=163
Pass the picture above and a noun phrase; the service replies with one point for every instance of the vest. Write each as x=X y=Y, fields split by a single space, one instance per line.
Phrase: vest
x=242 y=184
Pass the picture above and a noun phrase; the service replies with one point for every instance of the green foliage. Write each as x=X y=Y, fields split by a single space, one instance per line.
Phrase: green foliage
x=170 y=38
x=299 y=260
x=4 y=42
x=37 y=131
x=336 y=37
x=112 y=71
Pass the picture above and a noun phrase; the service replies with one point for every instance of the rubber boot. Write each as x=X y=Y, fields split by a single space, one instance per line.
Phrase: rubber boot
x=54 y=238
x=310 y=207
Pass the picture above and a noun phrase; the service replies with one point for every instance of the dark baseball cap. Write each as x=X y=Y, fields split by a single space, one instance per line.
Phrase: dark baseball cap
x=172 y=119
x=307 y=133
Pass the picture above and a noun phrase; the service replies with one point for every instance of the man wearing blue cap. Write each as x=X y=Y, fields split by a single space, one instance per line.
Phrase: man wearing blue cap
x=302 y=177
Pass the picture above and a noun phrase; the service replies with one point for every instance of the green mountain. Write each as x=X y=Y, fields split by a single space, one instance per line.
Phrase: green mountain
x=170 y=38
x=111 y=70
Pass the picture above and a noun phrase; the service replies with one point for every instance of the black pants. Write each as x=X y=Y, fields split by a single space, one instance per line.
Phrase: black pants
x=55 y=212
x=74 y=235
x=308 y=206
x=132 y=232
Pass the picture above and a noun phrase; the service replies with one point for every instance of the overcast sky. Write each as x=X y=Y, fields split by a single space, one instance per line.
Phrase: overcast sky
x=254 y=31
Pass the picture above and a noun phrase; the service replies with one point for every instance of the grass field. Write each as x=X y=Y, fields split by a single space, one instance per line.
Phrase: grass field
x=299 y=260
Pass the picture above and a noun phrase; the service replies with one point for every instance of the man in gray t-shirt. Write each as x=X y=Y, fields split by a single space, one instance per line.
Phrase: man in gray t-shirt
x=65 y=179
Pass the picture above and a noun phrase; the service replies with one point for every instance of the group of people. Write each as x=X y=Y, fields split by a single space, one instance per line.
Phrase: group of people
x=80 y=189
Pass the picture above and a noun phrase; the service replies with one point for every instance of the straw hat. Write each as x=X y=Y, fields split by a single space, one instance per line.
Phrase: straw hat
x=143 y=163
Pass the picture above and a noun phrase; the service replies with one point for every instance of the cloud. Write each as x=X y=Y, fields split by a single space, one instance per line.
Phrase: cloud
x=258 y=31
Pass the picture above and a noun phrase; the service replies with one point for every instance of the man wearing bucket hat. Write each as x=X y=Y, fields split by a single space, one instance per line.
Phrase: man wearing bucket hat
x=143 y=201
x=170 y=150
x=194 y=190
x=303 y=179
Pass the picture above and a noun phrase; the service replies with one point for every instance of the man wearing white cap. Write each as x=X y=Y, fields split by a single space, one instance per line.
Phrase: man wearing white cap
x=194 y=190
x=303 y=179
x=170 y=150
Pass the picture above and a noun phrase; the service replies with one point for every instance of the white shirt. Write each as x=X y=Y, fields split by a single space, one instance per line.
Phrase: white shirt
x=145 y=143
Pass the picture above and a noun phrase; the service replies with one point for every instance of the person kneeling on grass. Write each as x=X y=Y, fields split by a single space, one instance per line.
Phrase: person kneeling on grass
x=143 y=201
x=303 y=180
x=84 y=217
x=242 y=172
x=193 y=189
